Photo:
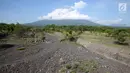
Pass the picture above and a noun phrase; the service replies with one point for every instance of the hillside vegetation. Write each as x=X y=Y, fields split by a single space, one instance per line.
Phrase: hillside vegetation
x=20 y=34
x=71 y=32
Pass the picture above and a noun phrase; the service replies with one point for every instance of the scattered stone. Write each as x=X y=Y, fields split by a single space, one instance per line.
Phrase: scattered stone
x=97 y=58
x=40 y=70
x=61 y=61
x=104 y=66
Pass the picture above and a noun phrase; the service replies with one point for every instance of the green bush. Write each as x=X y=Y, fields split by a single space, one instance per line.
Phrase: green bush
x=68 y=66
x=120 y=35
x=70 y=35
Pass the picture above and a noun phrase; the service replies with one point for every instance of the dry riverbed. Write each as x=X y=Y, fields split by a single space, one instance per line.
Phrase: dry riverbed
x=51 y=55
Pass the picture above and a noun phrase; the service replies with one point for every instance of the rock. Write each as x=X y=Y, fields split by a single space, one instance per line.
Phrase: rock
x=97 y=58
x=61 y=61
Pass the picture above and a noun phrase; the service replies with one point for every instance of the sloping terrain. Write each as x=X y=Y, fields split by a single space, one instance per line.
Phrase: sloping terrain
x=106 y=47
x=46 y=58
x=64 y=22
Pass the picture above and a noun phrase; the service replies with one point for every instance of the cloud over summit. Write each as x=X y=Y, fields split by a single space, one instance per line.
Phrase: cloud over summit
x=71 y=12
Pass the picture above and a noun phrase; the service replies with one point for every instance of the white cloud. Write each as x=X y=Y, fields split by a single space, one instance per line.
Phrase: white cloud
x=79 y=4
x=71 y=12
x=107 y=22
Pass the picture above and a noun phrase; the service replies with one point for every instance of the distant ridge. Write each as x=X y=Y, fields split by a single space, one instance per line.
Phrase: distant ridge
x=64 y=22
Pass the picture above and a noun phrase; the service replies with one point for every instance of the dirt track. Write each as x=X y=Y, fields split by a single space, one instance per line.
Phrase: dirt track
x=45 y=58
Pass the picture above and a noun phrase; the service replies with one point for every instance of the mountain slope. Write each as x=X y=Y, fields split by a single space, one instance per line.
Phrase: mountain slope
x=64 y=22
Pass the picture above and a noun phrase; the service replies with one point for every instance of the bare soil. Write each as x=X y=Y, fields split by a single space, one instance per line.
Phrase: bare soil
x=46 y=58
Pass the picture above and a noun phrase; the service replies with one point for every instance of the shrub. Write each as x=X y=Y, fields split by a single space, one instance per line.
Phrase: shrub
x=43 y=38
x=68 y=66
x=70 y=36
x=120 y=35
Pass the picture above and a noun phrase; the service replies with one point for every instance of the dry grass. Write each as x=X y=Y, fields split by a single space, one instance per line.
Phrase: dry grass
x=27 y=40
x=88 y=66
x=102 y=39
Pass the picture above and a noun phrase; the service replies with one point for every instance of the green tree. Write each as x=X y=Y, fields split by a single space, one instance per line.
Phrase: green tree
x=120 y=35
x=19 y=30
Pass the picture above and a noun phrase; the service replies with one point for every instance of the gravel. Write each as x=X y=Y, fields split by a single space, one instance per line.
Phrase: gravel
x=49 y=57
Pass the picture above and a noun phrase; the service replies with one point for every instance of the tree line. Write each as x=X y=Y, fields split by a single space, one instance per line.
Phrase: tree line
x=70 y=31
x=19 y=31
x=73 y=31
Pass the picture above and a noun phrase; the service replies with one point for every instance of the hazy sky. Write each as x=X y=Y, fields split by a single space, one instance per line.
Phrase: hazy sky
x=100 y=11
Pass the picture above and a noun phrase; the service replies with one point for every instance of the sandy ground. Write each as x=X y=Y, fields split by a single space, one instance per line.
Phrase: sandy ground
x=45 y=58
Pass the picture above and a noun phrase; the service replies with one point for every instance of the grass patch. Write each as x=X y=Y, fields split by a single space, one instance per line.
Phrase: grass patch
x=21 y=48
x=70 y=39
x=80 y=67
x=102 y=39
